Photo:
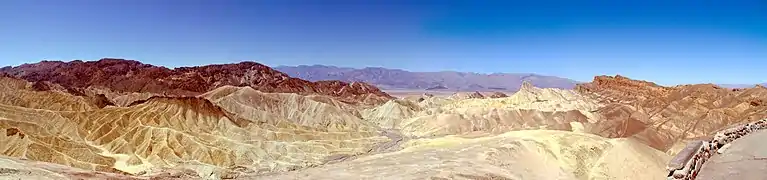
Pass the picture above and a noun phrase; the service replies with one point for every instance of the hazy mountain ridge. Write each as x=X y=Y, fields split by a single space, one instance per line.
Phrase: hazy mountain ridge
x=400 y=79
x=740 y=85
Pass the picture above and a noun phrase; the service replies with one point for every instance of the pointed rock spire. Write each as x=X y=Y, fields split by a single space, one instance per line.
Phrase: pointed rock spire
x=477 y=95
x=526 y=85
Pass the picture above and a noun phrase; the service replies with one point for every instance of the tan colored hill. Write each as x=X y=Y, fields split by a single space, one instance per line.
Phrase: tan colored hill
x=164 y=132
x=536 y=154
x=466 y=95
x=21 y=93
x=529 y=108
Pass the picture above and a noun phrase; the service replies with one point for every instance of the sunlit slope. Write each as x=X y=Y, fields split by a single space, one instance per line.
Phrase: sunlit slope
x=18 y=92
x=47 y=136
x=530 y=108
x=277 y=108
x=529 y=97
x=667 y=117
x=15 y=168
x=392 y=113
x=534 y=154
x=165 y=132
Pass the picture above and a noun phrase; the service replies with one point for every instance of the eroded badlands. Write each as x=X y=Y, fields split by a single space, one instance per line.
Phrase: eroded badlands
x=253 y=122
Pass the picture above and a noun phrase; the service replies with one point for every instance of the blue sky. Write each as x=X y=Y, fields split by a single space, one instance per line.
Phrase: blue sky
x=666 y=42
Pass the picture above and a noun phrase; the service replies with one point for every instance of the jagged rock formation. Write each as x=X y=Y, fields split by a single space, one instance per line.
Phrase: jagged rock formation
x=254 y=132
x=132 y=76
x=620 y=88
x=529 y=108
x=530 y=97
x=467 y=95
x=665 y=116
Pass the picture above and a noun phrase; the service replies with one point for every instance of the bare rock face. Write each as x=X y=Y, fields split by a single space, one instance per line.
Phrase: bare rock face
x=132 y=76
x=663 y=116
x=622 y=87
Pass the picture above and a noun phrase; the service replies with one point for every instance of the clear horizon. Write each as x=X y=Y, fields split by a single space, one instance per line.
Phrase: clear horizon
x=680 y=42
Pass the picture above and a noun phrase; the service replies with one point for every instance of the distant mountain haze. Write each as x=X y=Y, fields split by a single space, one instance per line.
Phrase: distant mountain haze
x=741 y=85
x=444 y=80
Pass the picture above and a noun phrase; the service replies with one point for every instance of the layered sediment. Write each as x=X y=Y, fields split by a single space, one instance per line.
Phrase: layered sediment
x=127 y=120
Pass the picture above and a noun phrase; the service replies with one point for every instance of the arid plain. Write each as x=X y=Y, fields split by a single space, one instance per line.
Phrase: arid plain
x=122 y=119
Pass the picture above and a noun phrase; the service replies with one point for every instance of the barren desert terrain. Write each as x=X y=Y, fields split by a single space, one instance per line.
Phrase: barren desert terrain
x=122 y=119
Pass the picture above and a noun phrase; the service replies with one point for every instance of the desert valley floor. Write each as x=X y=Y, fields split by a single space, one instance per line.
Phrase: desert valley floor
x=121 y=119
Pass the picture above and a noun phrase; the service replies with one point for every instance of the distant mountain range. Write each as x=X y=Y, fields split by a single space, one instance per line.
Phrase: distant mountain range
x=740 y=85
x=445 y=80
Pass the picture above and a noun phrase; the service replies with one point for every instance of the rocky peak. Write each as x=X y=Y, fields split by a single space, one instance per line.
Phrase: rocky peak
x=622 y=87
x=526 y=85
x=467 y=95
x=476 y=94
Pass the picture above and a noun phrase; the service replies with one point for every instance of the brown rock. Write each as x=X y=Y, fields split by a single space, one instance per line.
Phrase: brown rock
x=622 y=87
x=132 y=76
x=14 y=131
x=655 y=114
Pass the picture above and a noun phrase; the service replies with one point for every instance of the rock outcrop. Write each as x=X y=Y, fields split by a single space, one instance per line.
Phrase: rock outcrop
x=467 y=95
x=666 y=116
x=620 y=88
x=498 y=95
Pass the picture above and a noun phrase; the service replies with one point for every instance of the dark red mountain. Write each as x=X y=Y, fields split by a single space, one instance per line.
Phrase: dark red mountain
x=132 y=76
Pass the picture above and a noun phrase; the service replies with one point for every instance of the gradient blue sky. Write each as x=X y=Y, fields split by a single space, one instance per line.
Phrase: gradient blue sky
x=669 y=42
